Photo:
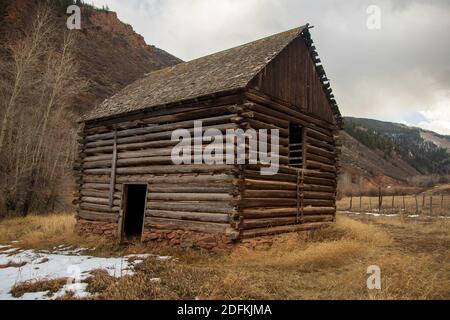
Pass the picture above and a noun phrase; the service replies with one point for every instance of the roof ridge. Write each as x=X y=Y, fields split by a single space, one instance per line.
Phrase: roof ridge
x=300 y=30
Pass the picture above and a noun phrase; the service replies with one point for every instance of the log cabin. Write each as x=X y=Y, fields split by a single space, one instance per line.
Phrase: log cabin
x=129 y=187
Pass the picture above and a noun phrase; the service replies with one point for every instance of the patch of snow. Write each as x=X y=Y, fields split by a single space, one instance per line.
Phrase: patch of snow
x=61 y=263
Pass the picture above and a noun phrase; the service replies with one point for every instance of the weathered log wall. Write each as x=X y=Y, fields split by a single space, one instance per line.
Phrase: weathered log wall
x=293 y=199
x=232 y=200
x=138 y=151
x=294 y=77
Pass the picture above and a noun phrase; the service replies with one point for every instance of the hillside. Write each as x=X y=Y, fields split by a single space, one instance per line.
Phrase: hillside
x=376 y=152
x=110 y=53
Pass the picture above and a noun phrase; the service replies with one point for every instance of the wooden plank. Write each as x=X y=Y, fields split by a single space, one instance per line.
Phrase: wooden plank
x=113 y=171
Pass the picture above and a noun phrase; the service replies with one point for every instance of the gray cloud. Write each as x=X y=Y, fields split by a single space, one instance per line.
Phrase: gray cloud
x=399 y=73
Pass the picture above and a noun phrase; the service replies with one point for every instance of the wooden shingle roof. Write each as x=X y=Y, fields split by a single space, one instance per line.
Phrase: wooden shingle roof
x=223 y=71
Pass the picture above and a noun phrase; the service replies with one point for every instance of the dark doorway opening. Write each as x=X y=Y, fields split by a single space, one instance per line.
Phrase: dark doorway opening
x=135 y=197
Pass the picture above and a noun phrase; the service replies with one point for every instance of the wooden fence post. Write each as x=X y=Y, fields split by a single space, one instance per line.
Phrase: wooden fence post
x=423 y=202
x=351 y=202
x=442 y=201
x=417 y=204
x=380 y=199
x=360 y=202
x=404 y=203
x=431 y=205
x=393 y=202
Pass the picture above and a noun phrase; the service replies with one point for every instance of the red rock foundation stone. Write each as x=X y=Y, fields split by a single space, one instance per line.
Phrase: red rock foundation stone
x=104 y=229
x=188 y=239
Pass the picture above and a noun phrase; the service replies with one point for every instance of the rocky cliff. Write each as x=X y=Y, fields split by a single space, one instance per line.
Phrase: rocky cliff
x=110 y=54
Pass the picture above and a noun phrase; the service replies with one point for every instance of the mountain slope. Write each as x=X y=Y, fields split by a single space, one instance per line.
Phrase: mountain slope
x=111 y=55
x=384 y=153
x=395 y=141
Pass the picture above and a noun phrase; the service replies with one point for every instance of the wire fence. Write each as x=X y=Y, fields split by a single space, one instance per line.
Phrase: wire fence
x=420 y=204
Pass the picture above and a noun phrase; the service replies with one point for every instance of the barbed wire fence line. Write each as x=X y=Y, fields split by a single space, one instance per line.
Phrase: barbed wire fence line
x=386 y=203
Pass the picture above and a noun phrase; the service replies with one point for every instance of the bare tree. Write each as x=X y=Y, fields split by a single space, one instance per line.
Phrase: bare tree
x=37 y=133
x=26 y=54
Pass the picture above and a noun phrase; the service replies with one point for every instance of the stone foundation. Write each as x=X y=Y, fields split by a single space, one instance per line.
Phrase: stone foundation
x=161 y=238
x=98 y=228
x=188 y=239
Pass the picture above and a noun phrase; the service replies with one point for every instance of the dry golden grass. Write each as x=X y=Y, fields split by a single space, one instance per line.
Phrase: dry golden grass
x=330 y=263
x=37 y=229
x=49 y=231
x=327 y=264
x=52 y=286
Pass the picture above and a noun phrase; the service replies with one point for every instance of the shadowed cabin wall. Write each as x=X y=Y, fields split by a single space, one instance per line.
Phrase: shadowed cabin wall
x=292 y=77
x=288 y=91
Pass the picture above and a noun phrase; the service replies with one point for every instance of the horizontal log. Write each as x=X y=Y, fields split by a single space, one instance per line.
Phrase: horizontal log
x=316 y=158
x=319 y=202
x=285 y=212
x=321 y=152
x=99 y=207
x=268 y=185
x=282 y=221
x=132 y=146
x=319 y=135
x=204 y=206
x=190 y=196
x=267 y=202
x=96 y=186
x=97 y=216
x=320 y=144
x=94 y=193
x=245 y=234
x=288 y=112
x=281 y=123
x=165 y=135
x=193 y=216
x=320 y=181
x=177 y=109
x=319 y=195
x=269 y=194
x=312 y=187
x=294 y=171
x=169 y=169
x=322 y=166
x=101 y=182
x=168 y=127
x=190 y=188
x=255 y=175
x=257 y=125
x=171 y=224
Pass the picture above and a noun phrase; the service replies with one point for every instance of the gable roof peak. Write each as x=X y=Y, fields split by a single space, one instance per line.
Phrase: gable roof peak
x=226 y=70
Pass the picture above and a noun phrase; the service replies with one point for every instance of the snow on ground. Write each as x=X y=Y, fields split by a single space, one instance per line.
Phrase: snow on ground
x=377 y=214
x=62 y=262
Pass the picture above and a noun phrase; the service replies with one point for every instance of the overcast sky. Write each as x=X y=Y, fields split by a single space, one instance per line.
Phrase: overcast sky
x=400 y=72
